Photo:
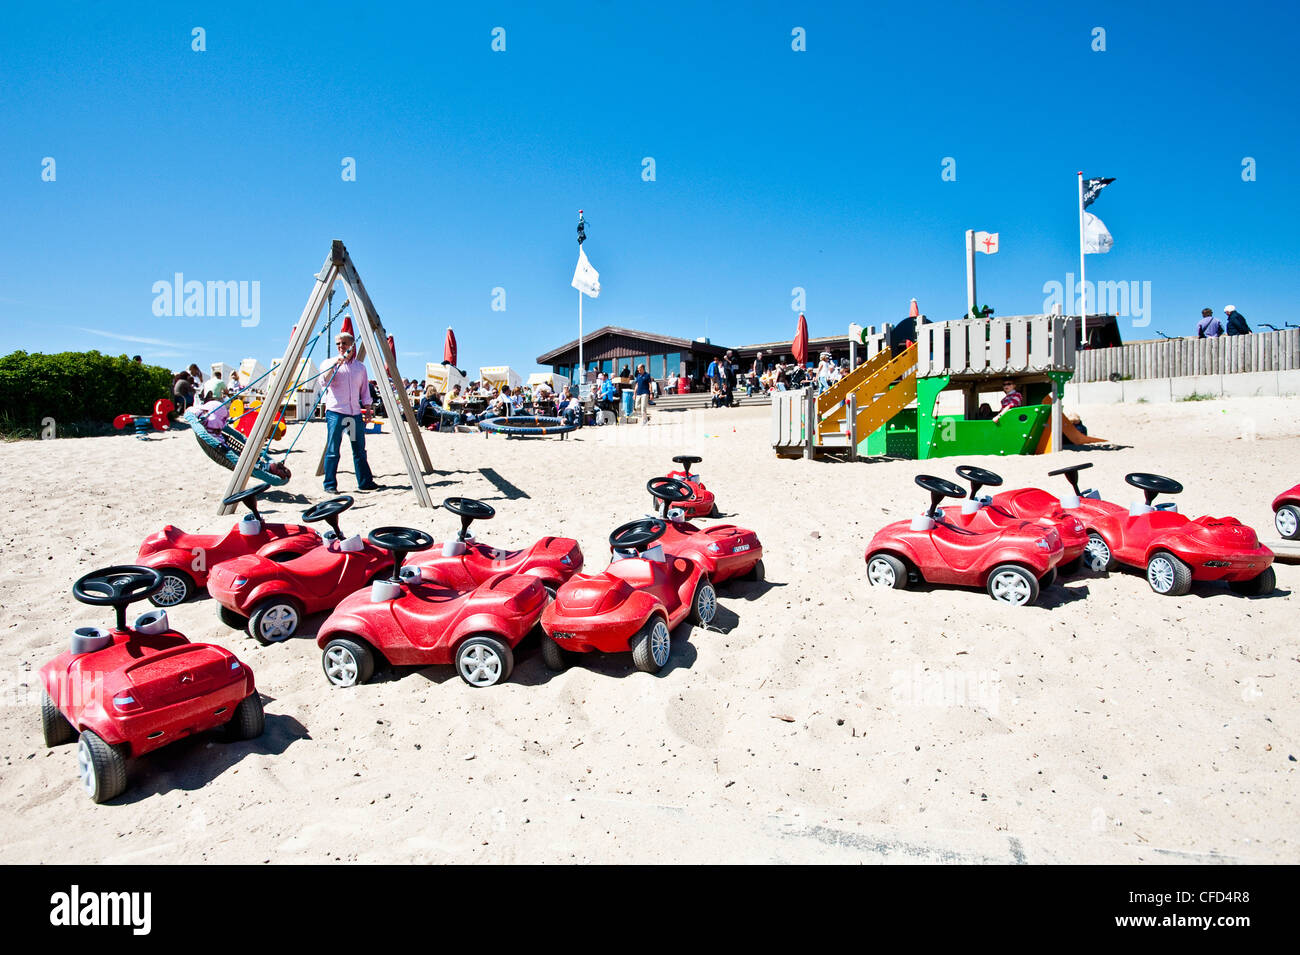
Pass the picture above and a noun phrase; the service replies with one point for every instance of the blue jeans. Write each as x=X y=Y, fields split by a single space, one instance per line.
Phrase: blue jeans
x=335 y=427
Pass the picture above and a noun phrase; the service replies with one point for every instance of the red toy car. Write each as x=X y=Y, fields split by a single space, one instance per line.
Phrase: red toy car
x=1008 y=562
x=1286 y=513
x=725 y=551
x=129 y=690
x=185 y=559
x=435 y=613
x=552 y=559
x=701 y=503
x=632 y=605
x=1173 y=550
x=272 y=598
x=1025 y=504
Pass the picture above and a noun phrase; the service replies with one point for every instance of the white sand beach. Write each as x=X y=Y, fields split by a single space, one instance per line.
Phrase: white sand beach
x=825 y=721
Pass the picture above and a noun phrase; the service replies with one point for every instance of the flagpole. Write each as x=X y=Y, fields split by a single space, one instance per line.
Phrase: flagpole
x=1083 y=278
x=582 y=371
x=970 y=272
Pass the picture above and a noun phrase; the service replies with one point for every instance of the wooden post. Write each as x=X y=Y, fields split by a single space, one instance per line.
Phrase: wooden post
x=810 y=431
x=852 y=411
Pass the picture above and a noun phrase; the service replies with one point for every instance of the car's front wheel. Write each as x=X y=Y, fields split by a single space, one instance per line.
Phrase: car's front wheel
x=1012 y=584
x=275 y=620
x=177 y=587
x=1287 y=521
x=652 y=645
x=1167 y=575
x=886 y=570
x=484 y=661
x=1097 y=556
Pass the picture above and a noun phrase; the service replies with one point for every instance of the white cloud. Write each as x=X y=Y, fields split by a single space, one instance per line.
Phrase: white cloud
x=132 y=338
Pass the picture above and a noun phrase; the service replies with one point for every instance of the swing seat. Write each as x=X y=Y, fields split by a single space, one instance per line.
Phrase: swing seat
x=227 y=455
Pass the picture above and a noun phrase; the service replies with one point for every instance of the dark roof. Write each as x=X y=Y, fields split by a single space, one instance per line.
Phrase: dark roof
x=684 y=344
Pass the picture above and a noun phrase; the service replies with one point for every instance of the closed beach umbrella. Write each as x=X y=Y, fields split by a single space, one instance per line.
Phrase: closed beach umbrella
x=800 y=345
x=913 y=312
x=449 y=348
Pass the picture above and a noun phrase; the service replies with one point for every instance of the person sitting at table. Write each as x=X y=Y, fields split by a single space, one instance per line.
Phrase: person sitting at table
x=607 y=395
x=569 y=407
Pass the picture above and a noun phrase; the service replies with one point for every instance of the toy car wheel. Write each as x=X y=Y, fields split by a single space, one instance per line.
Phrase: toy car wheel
x=704 y=605
x=652 y=645
x=347 y=662
x=55 y=727
x=1257 y=586
x=553 y=655
x=1287 y=521
x=233 y=620
x=484 y=661
x=275 y=620
x=102 y=767
x=1167 y=575
x=758 y=572
x=1097 y=556
x=1047 y=580
x=1012 y=584
x=886 y=570
x=177 y=587
x=713 y=511
x=249 y=719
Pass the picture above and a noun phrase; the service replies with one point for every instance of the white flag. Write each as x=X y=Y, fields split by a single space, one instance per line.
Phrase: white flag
x=1095 y=236
x=585 y=278
x=986 y=242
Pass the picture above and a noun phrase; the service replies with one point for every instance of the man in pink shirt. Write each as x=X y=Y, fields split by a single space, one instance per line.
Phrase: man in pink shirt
x=347 y=409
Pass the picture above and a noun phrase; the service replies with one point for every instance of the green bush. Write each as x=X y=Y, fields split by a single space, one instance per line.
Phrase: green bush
x=82 y=391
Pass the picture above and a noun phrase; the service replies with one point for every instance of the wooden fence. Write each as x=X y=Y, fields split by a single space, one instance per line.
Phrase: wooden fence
x=1182 y=357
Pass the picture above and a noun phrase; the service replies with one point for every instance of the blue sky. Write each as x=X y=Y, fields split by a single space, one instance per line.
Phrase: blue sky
x=775 y=169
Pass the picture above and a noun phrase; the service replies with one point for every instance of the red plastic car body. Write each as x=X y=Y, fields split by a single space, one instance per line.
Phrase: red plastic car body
x=552 y=559
x=1174 y=550
x=184 y=560
x=725 y=551
x=1286 y=513
x=1010 y=561
x=631 y=605
x=438 y=613
x=274 y=597
x=702 y=502
x=128 y=691
x=1023 y=504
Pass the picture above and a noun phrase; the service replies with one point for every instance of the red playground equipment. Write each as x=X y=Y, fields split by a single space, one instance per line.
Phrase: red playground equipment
x=125 y=692
x=1173 y=550
x=184 y=559
x=725 y=551
x=1286 y=513
x=1011 y=562
x=702 y=502
x=142 y=423
x=272 y=598
x=632 y=605
x=552 y=559
x=437 y=613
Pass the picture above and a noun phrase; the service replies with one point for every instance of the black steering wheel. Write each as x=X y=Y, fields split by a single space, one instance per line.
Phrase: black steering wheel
x=637 y=535
x=469 y=511
x=118 y=586
x=939 y=489
x=401 y=541
x=328 y=511
x=1071 y=474
x=669 y=490
x=249 y=497
x=686 y=460
x=1153 y=484
x=978 y=478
